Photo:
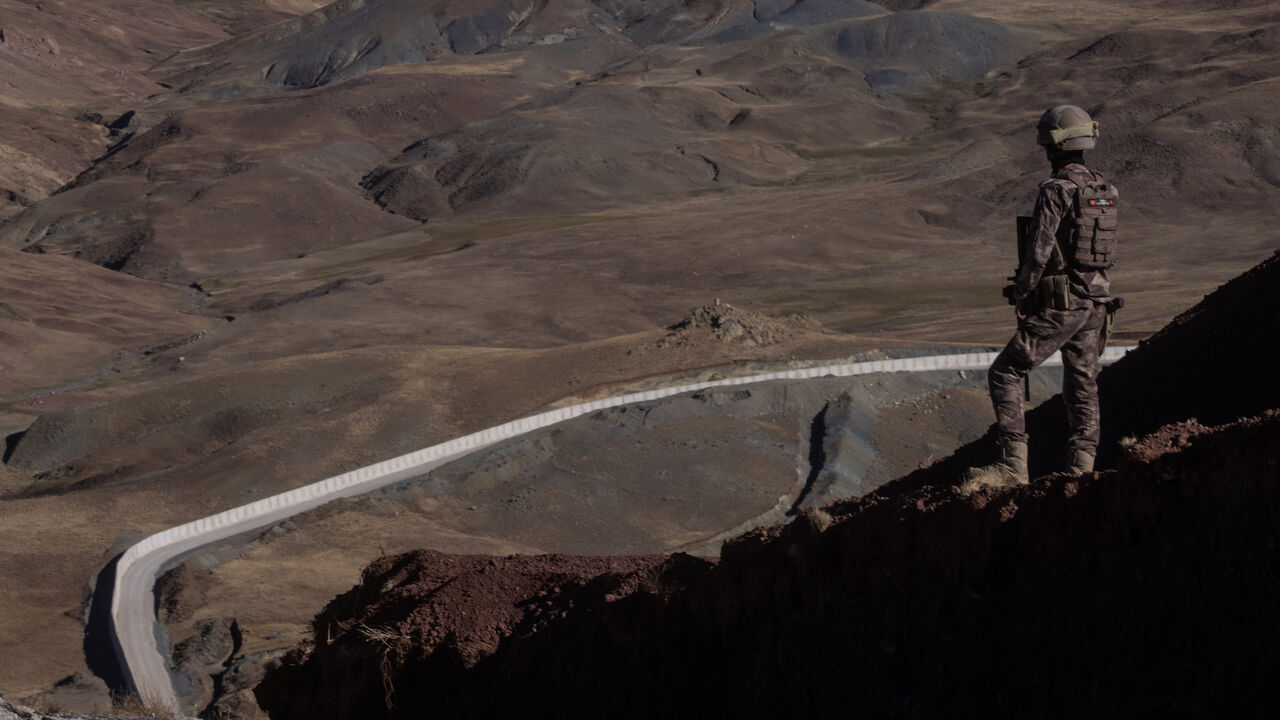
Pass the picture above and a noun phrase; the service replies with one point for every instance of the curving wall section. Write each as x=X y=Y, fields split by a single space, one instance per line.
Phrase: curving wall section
x=132 y=610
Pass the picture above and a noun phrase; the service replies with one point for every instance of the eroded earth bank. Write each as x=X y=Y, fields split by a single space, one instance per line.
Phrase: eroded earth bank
x=1150 y=587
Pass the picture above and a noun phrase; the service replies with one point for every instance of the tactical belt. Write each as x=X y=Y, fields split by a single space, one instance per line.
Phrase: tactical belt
x=1054 y=291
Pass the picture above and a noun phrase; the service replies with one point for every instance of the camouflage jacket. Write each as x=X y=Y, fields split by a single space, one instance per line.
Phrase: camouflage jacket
x=1044 y=256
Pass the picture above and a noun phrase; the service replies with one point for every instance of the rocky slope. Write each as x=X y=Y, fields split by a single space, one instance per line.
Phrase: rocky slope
x=1149 y=588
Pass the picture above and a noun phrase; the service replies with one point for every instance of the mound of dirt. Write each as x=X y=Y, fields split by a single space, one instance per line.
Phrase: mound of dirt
x=461 y=610
x=723 y=323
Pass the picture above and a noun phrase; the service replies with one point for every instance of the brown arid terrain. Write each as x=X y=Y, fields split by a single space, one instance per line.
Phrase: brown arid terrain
x=1146 y=589
x=248 y=245
x=9 y=711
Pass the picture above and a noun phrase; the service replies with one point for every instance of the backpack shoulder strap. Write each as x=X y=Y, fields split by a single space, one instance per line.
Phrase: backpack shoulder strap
x=1081 y=176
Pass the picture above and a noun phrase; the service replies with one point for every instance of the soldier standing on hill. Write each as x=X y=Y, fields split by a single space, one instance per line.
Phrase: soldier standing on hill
x=1062 y=296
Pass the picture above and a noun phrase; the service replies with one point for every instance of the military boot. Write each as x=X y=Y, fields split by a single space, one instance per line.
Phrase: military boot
x=1009 y=471
x=1081 y=463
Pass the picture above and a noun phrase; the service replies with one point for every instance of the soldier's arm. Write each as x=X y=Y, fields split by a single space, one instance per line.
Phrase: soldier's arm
x=1051 y=205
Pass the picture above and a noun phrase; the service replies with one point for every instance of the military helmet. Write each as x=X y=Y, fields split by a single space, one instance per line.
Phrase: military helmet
x=1066 y=127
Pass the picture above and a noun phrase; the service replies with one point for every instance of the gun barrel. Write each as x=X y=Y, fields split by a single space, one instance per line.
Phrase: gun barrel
x=1024 y=236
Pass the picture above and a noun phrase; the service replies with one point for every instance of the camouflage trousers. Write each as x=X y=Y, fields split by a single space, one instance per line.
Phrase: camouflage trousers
x=1077 y=332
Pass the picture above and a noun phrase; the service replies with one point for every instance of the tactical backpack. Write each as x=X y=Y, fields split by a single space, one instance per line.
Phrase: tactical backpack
x=1088 y=236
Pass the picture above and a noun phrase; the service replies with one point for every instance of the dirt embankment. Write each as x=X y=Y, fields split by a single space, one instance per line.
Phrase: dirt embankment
x=1147 y=588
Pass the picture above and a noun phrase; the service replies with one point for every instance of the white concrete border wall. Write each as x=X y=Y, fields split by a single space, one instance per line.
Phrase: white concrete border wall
x=132 y=607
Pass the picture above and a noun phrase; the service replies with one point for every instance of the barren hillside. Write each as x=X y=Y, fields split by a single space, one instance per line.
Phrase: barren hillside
x=247 y=245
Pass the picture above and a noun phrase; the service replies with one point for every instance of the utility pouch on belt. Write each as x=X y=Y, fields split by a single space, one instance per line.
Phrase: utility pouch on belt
x=1054 y=292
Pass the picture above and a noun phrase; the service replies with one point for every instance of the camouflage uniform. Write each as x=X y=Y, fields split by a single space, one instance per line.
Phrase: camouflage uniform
x=1076 y=330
